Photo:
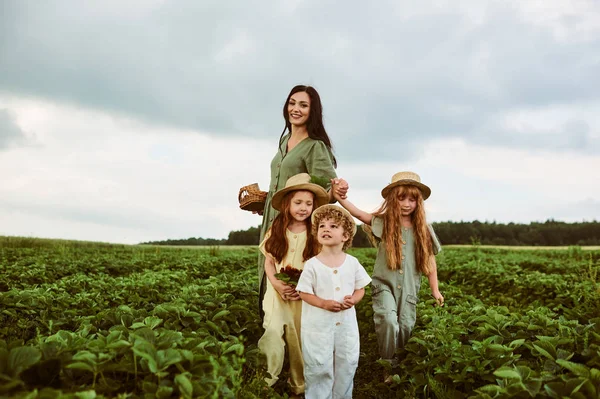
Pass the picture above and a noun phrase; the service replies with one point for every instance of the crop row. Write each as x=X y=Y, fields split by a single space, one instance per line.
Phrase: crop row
x=117 y=321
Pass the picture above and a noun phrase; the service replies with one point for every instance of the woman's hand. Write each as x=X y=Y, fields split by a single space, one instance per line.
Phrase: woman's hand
x=339 y=188
x=439 y=299
x=258 y=212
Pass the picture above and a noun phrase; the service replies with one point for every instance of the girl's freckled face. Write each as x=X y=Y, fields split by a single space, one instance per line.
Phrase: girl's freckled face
x=408 y=204
x=301 y=205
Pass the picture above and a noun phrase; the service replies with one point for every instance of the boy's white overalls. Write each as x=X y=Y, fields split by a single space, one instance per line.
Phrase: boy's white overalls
x=330 y=340
x=282 y=320
x=395 y=293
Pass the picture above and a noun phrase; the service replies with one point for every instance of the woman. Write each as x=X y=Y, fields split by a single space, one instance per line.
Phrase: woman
x=306 y=148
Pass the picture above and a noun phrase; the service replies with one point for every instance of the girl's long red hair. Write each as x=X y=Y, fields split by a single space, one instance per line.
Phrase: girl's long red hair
x=277 y=244
x=392 y=229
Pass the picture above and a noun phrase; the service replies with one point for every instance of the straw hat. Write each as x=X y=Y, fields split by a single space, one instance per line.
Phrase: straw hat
x=301 y=181
x=344 y=213
x=407 y=179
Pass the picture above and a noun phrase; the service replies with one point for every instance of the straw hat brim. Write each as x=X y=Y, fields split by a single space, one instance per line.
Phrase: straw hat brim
x=346 y=214
x=426 y=191
x=321 y=196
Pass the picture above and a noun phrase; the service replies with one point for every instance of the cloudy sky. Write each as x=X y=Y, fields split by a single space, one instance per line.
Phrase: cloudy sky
x=129 y=121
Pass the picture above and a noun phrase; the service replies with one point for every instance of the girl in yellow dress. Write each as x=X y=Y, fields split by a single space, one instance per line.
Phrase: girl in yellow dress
x=288 y=244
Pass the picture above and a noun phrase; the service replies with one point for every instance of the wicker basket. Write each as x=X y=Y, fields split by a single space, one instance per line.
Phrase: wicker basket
x=251 y=198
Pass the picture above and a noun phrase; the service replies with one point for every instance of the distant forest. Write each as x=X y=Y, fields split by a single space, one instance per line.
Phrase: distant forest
x=548 y=233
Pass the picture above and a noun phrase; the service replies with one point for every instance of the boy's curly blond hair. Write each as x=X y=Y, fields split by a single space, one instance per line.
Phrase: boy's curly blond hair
x=340 y=219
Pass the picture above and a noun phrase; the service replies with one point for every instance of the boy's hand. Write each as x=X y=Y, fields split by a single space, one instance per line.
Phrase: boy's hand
x=439 y=299
x=332 y=306
x=348 y=302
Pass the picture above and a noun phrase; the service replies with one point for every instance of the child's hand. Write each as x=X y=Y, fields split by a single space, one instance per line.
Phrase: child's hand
x=339 y=188
x=348 y=302
x=294 y=296
x=332 y=306
x=439 y=299
x=285 y=291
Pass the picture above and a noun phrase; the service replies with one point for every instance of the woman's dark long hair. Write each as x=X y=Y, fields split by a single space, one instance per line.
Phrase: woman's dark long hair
x=314 y=124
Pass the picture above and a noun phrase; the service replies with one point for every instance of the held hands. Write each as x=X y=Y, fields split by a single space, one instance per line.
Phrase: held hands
x=339 y=188
x=335 y=306
x=332 y=306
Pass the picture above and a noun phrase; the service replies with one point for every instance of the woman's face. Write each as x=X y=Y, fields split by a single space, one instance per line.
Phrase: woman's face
x=299 y=108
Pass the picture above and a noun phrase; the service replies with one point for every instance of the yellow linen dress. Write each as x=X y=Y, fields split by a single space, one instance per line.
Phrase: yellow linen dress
x=282 y=319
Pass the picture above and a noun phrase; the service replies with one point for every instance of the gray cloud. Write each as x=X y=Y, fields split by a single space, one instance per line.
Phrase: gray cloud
x=573 y=135
x=389 y=82
x=10 y=133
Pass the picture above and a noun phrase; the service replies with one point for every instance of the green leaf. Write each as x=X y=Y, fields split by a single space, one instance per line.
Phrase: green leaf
x=489 y=389
x=516 y=343
x=81 y=366
x=505 y=372
x=220 y=314
x=554 y=389
x=119 y=344
x=237 y=348
x=576 y=368
x=164 y=392
x=544 y=352
x=184 y=385
x=22 y=358
x=533 y=386
x=214 y=327
x=85 y=356
x=147 y=352
x=149 y=387
x=168 y=357
x=499 y=348
x=152 y=322
x=10 y=386
x=595 y=375
x=86 y=395
x=523 y=371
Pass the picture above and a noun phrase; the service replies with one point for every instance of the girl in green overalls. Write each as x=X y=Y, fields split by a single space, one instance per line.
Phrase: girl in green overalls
x=407 y=247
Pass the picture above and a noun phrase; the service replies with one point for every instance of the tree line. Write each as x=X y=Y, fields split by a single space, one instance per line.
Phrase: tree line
x=548 y=233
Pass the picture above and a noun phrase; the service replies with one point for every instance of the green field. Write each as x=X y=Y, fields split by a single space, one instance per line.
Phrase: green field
x=91 y=320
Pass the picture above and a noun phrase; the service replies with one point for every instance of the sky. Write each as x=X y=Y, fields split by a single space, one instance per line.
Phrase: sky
x=138 y=120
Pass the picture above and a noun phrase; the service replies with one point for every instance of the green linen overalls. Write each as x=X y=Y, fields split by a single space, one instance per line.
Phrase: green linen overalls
x=395 y=293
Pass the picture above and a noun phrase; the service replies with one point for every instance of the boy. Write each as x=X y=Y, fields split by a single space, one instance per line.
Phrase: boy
x=331 y=284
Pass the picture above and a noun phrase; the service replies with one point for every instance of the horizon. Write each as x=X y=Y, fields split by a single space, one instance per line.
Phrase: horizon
x=149 y=242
